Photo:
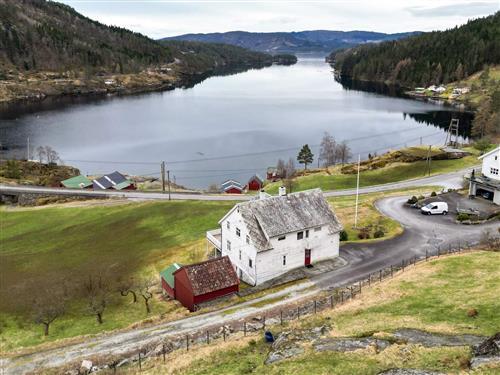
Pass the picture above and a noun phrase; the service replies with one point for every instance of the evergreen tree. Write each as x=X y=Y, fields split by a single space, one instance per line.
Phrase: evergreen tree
x=305 y=156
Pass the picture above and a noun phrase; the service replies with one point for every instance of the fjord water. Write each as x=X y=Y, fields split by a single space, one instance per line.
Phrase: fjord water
x=225 y=127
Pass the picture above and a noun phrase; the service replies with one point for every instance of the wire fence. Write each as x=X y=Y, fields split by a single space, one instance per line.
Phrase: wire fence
x=278 y=316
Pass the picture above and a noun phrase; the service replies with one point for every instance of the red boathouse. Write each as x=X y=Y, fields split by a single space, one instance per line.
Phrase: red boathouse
x=205 y=281
x=255 y=183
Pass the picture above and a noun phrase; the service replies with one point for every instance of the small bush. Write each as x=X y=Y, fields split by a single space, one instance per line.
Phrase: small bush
x=364 y=233
x=412 y=200
x=433 y=194
x=252 y=342
x=344 y=236
x=463 y=216
x=379 y=233
x=472 y=313
x=420 y=197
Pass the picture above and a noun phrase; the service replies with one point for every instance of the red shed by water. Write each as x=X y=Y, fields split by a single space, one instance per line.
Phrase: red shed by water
x=255 y=183
x=232 y=187
x=205 y=281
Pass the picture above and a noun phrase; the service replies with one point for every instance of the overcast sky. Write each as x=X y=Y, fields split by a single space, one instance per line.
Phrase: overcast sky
x=160 y=18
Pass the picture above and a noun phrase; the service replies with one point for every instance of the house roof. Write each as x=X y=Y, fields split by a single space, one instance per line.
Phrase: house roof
x=229 y=183
x=279 y=215
x=116 y=177
x=77 y=182
x=256 y=177
x=168 y=274
x=102 y=183
x=122 y=185
x=489 y=153
x=211 y=275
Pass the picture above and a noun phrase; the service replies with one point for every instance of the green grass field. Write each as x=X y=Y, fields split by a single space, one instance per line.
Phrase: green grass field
x=392 y=173
x=434 y=296
x=45 y=247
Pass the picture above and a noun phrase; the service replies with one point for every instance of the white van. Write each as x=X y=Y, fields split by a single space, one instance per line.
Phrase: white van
x=435 y=208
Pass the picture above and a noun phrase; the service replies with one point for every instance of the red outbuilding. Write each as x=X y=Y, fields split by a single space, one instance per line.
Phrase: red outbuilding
x=205 y=281
x=255 y=183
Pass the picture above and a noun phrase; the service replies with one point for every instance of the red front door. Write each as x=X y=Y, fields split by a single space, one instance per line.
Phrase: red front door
x=307 y=259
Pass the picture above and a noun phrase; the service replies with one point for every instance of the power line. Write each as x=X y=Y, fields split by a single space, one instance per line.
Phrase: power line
x=234 y=156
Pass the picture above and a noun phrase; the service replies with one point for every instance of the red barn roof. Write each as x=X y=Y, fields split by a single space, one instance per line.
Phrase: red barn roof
x=211 y=275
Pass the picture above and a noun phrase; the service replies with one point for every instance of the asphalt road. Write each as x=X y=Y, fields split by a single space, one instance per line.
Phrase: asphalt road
x=421 y=233
x=447 y=180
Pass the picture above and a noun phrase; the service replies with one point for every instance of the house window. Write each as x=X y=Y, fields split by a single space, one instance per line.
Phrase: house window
x=250 y=263
x=240 y=254
x=300 y=235
x=248 y=239
x=317 y=229
x=307 y=233
x=284 y=260
x=494 y=171
x=228 y=245
x=281 y=238
x=228 y=225
x=238 y=232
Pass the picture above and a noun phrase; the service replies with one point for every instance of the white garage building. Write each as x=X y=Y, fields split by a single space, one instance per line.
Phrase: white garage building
x=269 y=236
x=487 y=183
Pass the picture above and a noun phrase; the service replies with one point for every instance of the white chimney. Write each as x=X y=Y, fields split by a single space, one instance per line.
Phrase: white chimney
x=262 y=194
x=282 y=191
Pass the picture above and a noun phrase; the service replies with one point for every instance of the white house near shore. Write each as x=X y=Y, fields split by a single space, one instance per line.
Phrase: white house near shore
x=487 y=184
x=269 y=236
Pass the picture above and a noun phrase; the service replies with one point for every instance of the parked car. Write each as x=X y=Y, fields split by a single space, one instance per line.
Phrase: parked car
x=435 y=208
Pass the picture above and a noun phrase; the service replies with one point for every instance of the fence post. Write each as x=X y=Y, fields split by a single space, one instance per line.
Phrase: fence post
x=187 y=342
x=426 y=255
x=244 y=328
x=342 y=296
x=315 y=307
x=380 y=276
x=360 y=287
x=224 y=332
x=281 y=317
x=391 y=271
x=140 y=364
x=331 y=301
x=163 y=350
x=208 y=337
x=298 y=312
x=369 y=279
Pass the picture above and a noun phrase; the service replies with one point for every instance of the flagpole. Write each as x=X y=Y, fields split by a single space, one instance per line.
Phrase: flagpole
x=357 y=195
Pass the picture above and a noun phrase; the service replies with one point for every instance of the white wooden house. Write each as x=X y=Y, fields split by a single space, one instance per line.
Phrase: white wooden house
x=269 y=236
x=487 y=182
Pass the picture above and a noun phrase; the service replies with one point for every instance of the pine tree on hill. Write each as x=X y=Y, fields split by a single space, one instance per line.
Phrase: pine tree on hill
x=305 y=156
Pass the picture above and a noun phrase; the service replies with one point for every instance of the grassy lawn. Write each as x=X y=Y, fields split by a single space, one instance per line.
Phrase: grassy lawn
x=335 y=180
x=434 y=296
x=40 y=248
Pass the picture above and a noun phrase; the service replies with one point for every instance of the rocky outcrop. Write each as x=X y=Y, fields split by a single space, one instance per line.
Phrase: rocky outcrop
x=349 y=344
x=427 y=339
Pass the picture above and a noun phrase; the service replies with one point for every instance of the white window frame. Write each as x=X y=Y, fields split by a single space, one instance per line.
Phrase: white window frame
x=228 y=245
x=250 y=263
x=281 y=238
x=284 y=260
x=301 y=235
x=228 y=225
x=238 y=232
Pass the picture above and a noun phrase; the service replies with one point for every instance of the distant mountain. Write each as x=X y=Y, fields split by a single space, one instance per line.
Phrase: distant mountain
x=319 y=41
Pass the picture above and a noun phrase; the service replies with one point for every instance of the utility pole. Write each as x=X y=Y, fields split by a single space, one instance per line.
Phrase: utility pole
x=163 y=176
x=28 y=149
x=428 y=166
x=168 y=176
x=357 y=195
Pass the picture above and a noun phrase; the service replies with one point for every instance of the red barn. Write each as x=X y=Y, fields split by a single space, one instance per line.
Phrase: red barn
x=205 y=281
x=255 y=183
x=167 y=279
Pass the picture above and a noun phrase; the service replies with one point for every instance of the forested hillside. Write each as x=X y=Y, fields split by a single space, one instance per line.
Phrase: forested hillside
x=49 y=49
x=430 y=58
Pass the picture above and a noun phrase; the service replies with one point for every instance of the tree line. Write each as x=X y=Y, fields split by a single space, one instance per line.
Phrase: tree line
x=429 y=58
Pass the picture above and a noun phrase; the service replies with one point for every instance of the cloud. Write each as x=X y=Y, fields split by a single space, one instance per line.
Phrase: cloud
x=458 y=9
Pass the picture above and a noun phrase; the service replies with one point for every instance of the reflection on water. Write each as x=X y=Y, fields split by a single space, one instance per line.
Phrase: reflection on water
x=224 y=127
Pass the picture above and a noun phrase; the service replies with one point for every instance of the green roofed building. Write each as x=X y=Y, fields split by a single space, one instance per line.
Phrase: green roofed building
x=77 y=182
x=167 y=279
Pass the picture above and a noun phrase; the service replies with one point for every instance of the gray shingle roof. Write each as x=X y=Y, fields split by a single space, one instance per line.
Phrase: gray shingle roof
x=279 y=215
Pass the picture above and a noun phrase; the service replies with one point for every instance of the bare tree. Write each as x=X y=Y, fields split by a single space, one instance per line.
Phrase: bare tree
x=343 y=152
x=97 y=294
x=289 y=174
x=48 y=305
x=327 y=150
x=280 y=168
x=51 y=155
x=126 y=287
x=40 y=151
x=145 y=287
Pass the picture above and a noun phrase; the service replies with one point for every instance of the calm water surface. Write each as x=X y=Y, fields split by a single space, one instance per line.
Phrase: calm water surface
x=225 y=127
